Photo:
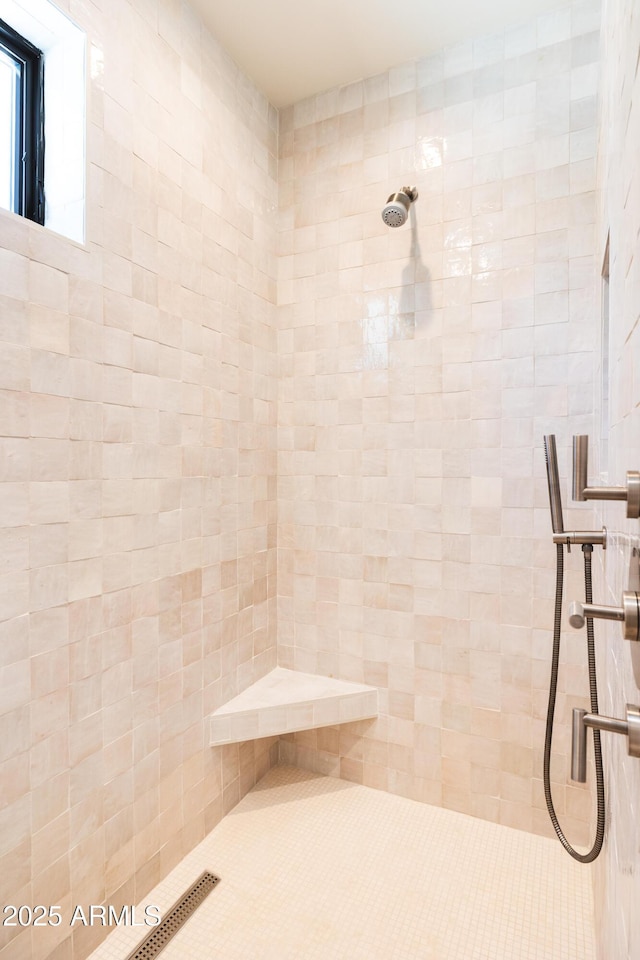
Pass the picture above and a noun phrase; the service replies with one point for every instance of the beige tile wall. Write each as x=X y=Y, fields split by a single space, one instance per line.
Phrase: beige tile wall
x=420 y=369
x=138 y=458
x=617 y=885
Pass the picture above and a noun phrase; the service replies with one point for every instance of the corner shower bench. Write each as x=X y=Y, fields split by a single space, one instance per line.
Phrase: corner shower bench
x=284 y=701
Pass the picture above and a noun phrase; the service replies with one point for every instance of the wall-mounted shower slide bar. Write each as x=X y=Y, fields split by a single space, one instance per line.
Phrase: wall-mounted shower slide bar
x=630 y=728
x=582 y=491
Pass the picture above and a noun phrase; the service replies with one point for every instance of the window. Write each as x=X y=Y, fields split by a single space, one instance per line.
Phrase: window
x=63 y=88
x=21 y=125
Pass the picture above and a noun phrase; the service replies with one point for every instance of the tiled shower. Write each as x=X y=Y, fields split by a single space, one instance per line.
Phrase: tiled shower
x=420 y=368
x=246 y=424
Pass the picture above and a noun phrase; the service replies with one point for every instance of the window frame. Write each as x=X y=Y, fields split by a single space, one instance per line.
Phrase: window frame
x=29 y=138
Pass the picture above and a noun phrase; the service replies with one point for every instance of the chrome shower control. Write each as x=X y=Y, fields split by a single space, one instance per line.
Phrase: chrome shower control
x=582 y=490
x=630 y=728
x=628 y=614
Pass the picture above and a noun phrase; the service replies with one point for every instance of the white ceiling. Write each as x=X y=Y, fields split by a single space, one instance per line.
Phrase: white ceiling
x=295 y=48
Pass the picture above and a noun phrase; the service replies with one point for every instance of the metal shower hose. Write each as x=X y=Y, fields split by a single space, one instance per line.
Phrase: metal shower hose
x=593 y=689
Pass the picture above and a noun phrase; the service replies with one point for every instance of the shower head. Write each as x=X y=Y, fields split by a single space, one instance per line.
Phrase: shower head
x=553 y=482
x=396 y=210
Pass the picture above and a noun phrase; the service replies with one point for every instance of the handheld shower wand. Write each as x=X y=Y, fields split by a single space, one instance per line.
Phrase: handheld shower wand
x=553 y=482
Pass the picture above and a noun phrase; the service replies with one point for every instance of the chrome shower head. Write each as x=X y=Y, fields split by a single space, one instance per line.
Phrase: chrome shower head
x=396 y=210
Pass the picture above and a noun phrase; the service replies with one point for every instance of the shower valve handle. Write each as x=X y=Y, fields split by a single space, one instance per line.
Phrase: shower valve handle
x=628 y=614
x=582 y=491
x=630 y=728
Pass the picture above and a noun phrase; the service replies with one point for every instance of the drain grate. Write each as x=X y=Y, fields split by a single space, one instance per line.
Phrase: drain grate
x=179 y=913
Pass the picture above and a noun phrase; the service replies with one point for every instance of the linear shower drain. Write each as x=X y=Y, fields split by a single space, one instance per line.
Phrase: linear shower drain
x=179 y=913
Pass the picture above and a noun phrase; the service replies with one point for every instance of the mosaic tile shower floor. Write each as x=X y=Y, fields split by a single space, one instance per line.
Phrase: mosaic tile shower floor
x=314 y=868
